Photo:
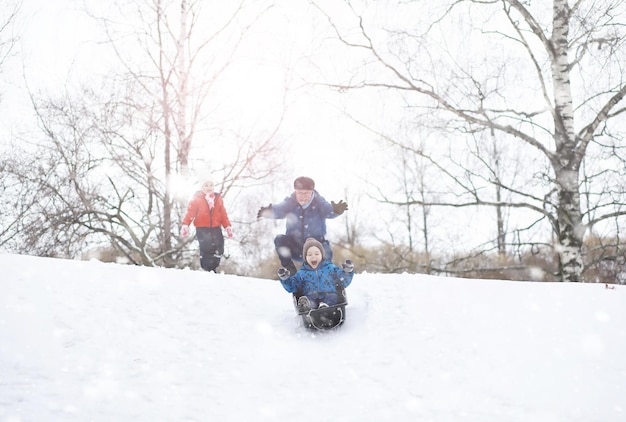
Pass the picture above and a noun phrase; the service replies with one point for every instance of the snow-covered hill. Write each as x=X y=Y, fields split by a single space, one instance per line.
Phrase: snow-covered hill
x=87 y=341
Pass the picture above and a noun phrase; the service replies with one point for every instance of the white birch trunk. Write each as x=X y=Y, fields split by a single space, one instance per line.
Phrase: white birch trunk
x=566 y=160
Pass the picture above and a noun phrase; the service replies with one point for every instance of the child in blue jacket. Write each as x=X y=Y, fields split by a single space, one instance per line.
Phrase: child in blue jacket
x=319 y=282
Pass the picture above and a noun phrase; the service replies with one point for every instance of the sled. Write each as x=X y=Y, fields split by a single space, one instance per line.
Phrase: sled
x=325 y=318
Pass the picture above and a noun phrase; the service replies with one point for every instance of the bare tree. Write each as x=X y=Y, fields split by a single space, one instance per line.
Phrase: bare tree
x=409 y=188
x=8 y=40
x=94 y=177
x=92 y=180
x=8 y=37
x=520 y=89
x=89 y=181
x=178 y=52
x=174 y=53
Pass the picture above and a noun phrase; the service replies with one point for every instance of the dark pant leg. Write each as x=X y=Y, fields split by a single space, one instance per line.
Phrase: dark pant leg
x=211 y=242
x=328 y=252
x=288 y=250
x=329 y=298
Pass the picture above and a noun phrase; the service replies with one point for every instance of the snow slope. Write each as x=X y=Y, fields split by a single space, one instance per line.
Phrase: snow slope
x=87 y=341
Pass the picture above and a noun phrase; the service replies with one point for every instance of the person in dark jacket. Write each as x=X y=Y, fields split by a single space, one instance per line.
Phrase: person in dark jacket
x=318 y=281
x=207 y=212
x=305 y=212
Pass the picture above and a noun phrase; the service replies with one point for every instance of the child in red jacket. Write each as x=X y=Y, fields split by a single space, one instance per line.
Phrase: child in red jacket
x=207 y=212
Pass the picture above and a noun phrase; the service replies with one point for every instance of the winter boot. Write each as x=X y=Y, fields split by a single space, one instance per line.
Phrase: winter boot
x=304 y=305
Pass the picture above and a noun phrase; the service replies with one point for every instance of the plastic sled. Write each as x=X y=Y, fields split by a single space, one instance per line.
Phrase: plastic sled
x=324 y=318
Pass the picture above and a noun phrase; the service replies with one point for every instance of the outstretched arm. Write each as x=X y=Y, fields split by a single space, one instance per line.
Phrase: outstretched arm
x=324 y=207
x=265 y=212
x=281 y=209
x=330 y=209
x=339 y=207
x=289 y=282
x=346 y=272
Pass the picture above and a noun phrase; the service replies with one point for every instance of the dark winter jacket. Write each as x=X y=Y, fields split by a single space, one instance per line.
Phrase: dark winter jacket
x=201 y=215
x=302 y=223
x=323 y=279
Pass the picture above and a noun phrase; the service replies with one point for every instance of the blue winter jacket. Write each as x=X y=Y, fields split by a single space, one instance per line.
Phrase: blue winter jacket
x=323 y=279
x=302 y=223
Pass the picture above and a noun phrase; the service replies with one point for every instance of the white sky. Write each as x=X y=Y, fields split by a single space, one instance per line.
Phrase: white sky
x=59 y=48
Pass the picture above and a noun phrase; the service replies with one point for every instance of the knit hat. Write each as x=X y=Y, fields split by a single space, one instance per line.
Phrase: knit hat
x=304 y=183
x=308 y=244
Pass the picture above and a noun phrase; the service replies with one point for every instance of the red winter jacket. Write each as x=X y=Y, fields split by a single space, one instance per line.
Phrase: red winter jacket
x=199 y=213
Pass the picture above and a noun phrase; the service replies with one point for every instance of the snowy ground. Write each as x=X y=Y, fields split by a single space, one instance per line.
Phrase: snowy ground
x=87 y=341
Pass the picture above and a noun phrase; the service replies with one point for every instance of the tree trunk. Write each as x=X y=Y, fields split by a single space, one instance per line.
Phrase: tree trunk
x=167 y=202
x=184 y=141
x=570 y=226
x=567 y=158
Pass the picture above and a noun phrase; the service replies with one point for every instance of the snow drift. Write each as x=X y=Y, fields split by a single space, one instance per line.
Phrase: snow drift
x=88 y=341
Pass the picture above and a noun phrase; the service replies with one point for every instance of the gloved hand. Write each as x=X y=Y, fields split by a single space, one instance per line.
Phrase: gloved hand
x=229 y=232
x=265 y=212
x=283 y=273
x=348 y=266
x=184 y=230
x=339 y=207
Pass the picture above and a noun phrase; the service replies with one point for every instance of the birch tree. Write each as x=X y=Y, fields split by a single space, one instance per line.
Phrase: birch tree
x=543 y=77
